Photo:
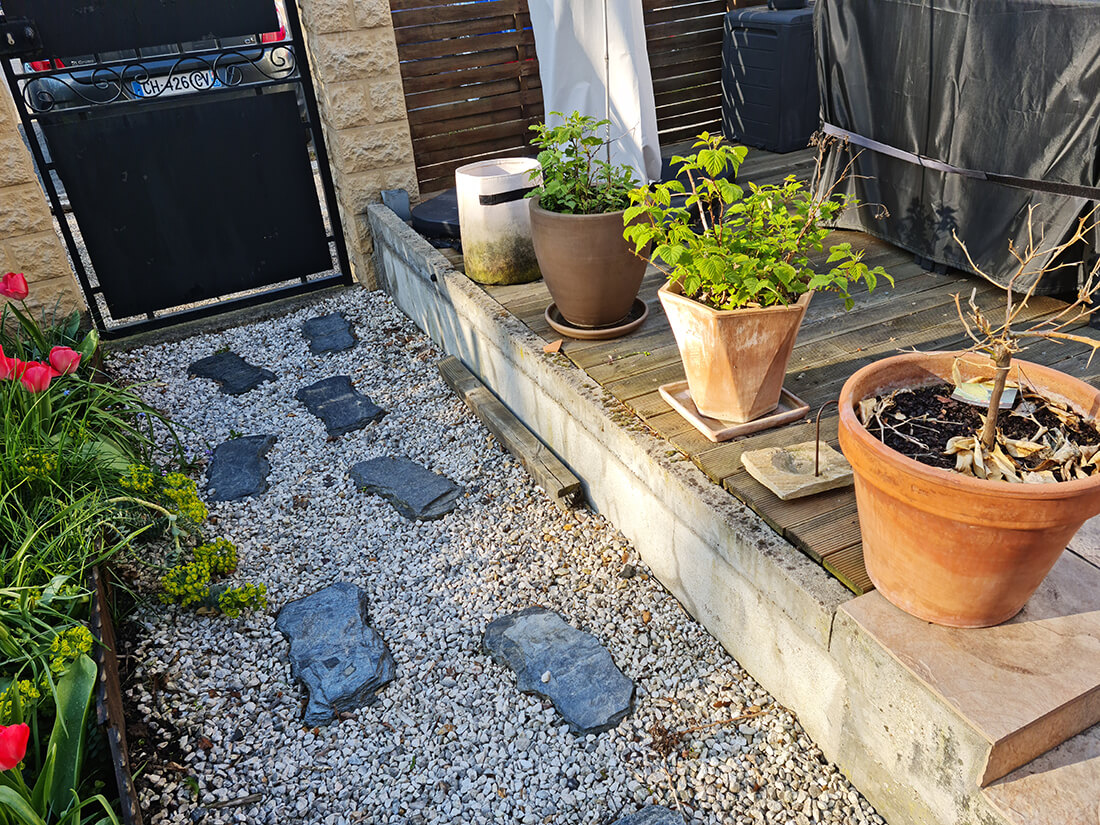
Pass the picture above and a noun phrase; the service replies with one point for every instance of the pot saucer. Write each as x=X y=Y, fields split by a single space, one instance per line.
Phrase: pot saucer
x=791 y=408
x=639 y=311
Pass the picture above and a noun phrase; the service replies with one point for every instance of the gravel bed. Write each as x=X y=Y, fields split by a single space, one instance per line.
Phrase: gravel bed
x=450 y=740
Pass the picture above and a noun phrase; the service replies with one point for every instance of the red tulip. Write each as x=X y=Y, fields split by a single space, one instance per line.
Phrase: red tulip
x=37 y=377
x=14 y=286
x=65 y=360
x=13 y=745
x=12 y=368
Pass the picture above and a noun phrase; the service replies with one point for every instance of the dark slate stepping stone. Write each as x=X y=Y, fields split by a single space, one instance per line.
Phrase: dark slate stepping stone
x=651 y=815
x=328 y=333
x=233 y=373
x=239 y=469
x=339 y=405
x=583 y=682
x=341 y=661
x=414 y=491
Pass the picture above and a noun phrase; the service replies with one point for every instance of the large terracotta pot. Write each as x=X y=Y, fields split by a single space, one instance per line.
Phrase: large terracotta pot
x=735 y=360
x=948 y=548
x=589 y=268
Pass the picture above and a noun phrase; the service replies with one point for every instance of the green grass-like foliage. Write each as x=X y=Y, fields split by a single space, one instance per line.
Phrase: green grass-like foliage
x=576 y=177
x=728 y=248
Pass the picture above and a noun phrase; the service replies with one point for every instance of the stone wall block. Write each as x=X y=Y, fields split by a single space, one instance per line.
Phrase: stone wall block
x=365 y=188
x=387 y=100
x=329 y=16
x=372 y=13
x=40 y=256
x=359 y=54
x=23 y=211
x=15 y=160
x=348 y=104
x=372 y=147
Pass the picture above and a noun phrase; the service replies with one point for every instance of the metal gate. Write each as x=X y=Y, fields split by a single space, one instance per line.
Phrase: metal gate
x=180 y=149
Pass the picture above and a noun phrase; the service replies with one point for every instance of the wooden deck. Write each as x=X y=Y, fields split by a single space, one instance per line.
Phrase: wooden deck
x=919 y=312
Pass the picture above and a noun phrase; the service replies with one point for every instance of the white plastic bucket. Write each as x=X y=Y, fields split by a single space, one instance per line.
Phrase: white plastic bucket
x=494 y=217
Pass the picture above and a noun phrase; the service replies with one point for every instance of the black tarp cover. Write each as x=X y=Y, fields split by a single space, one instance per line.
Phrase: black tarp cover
x=1010 y=87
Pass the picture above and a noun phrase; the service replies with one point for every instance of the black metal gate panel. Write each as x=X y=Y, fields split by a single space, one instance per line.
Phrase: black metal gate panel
x=186 y=167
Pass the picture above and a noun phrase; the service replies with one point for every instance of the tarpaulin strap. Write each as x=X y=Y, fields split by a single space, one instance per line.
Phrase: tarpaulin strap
x=1067 y=189
x=505 y=197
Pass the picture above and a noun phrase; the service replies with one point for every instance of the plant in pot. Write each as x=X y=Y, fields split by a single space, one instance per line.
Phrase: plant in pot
x=576 y=228
x=739 y=273
x=966 y=505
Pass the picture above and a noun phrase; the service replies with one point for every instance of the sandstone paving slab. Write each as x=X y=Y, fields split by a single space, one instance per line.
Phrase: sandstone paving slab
x=789 y=471
x=1061 y=787
x=232 y=373
x=339 y=405
x=1026 y=685
x=1087 y=541
x=567 y=666
x=239 y=468
x=413 y=490
x=328 y=333
x=339 y=658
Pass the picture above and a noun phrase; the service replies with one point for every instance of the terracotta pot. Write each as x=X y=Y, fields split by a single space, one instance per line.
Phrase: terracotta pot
x=948 y=548
x=735 y=360
x=588 y=266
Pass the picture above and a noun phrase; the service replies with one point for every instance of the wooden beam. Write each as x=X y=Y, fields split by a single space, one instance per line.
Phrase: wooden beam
x=559 y=482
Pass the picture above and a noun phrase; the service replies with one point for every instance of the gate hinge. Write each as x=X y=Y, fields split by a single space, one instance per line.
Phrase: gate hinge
x=18 y=37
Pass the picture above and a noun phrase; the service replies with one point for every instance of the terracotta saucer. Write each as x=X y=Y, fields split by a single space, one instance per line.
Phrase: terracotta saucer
x=639 y=311
x=791 y=408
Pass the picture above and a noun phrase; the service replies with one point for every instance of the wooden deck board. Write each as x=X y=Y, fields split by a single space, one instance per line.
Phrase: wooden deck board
x=918 y=312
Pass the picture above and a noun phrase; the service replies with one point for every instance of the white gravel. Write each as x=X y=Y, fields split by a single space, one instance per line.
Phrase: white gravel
x=450 y=740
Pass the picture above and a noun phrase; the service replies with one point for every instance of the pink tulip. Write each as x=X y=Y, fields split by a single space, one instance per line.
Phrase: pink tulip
x=37 y=377
x=14 y=286
x=13 y=745
x=65 y=360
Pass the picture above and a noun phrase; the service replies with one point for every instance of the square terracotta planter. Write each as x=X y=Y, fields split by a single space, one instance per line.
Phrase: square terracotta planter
x=735 y=360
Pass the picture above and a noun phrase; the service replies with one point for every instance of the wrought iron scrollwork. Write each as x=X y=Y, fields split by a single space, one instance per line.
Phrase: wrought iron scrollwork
x=98 y=85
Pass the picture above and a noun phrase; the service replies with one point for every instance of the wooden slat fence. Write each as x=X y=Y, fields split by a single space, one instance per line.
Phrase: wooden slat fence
x=684 y=40
x=471 y=80
x=472 y=85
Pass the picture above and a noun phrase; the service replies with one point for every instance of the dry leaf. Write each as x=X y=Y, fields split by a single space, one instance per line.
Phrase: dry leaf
x=867 y=410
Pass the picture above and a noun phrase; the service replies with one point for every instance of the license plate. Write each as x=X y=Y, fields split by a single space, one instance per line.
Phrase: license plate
x=175 y=84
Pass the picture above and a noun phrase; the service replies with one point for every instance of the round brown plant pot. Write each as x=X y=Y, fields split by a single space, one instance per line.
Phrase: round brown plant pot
x=735 y=360
x=948 y=548
x=589 y=268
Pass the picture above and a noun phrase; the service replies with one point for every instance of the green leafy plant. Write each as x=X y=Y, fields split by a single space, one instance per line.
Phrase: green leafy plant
x=729 y=248
x=193 y=583
x=576 y=179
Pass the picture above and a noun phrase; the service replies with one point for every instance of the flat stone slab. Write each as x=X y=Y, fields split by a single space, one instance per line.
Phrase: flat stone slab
x=1087 y=541
x=789 y=471
x=1061 y=787
x=1026 y=685
x=339 y=405
x=414 y=491
x=233 y=373
x=328 y=333
x=567 y=666
x=239 y=468
x=651 y=815
x=341 y=661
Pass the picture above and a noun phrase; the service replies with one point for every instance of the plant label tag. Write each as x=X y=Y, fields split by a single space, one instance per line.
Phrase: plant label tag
x=978 y=393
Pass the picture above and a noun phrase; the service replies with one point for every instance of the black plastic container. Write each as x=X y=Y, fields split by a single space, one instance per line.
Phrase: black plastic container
x=769 y=78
